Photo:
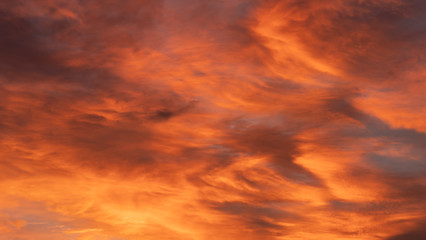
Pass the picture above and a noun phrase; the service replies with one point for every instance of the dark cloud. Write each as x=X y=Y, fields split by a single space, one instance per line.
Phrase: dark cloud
x=341 y=102
x=280 y=147
x=415 y=234
x=368 y=39
x=166 y=114
x=240 y=208
x=259 y=219
x=20 y=47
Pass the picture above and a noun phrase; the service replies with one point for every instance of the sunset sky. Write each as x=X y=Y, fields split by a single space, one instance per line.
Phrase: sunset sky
x=212 y=120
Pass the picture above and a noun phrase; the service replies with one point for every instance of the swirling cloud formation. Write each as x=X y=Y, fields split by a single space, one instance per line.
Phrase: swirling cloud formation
x=210 y=120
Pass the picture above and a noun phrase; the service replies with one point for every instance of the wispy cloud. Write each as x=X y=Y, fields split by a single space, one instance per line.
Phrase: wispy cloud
x=212 y=119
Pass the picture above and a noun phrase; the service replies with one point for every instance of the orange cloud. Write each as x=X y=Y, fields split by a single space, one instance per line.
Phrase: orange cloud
x=212 y=120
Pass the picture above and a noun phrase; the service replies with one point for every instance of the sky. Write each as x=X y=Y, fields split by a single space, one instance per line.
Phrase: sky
x=212 y=120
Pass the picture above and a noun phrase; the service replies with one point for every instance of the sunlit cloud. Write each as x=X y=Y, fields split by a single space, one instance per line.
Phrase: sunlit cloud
x=190 y=119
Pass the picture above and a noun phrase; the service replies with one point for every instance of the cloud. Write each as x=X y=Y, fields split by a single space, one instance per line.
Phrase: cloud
x=418 y=233
x=212 y=119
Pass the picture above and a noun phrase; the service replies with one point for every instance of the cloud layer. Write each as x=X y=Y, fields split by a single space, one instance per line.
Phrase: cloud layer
x=206 y=120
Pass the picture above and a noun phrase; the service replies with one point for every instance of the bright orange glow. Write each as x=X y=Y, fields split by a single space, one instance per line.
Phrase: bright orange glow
x=212 y=120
